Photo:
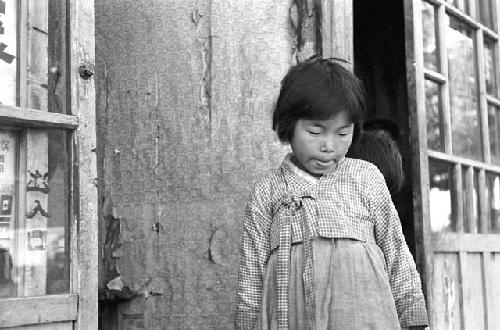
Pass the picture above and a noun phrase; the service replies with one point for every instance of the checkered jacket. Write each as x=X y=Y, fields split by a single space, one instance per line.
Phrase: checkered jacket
x=289 y=206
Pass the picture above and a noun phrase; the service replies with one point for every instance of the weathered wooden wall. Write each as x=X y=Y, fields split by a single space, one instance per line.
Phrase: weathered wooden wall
x=185 y=91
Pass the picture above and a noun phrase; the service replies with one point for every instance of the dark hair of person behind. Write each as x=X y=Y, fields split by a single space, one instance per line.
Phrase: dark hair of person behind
x=318 y=89
x=383 y=124
x=378 y=148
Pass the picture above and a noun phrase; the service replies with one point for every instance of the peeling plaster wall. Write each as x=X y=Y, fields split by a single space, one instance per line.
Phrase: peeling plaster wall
x=185 y=91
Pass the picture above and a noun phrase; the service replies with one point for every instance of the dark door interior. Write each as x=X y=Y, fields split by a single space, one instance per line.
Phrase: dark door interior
x=379 y=60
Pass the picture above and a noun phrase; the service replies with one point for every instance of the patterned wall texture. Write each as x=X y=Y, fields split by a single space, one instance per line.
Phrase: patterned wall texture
x=185 y=93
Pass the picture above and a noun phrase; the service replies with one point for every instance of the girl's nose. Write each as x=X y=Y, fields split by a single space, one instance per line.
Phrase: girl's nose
x=327 y=145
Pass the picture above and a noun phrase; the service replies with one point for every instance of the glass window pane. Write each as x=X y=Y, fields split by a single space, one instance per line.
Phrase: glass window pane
x=459 y=4
x=8 y=52
x=493 y=197
x=470 y=8
x=484 y=12
x=440 y=179
x=37 y=34
x=8 y=201
x=466 y=136
x=490 y=67
x=34 y=241
x=429 y=36
x=494 y=133
x=434 y=122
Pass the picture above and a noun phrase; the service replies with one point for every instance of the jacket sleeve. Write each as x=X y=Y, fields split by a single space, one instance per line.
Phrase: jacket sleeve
x=403 y=276
x=254 y=253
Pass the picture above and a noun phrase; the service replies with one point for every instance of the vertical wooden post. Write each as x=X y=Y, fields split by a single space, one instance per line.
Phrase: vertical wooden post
x=488 y=285
x=457 y=199
x=337 y=29
x=470 y=207
x=484 y=226
x=418 y=143
x=82 y=57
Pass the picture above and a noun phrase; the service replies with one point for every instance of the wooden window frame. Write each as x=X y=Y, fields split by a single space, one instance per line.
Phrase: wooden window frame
x=38 y=310
x=29 y=118
x=80 y=305
x=458 y=241
x=484 y=100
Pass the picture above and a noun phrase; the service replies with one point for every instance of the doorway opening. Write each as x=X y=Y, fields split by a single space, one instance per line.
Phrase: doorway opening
x=379 y=60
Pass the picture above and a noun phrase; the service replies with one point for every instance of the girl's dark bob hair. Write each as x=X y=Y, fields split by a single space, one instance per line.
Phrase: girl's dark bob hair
x=317 y=89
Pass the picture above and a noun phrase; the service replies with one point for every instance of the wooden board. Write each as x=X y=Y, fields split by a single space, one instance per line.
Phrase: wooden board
x=337 y=29
x=34 y=220
x=37 y=310
x=473 y=287
x=495 y=290
x=447 y=291
x=34 y=118
x=49 y=326
x=84 y=219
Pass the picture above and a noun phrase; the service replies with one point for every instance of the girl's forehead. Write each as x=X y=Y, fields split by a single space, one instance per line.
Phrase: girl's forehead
x=339 y=119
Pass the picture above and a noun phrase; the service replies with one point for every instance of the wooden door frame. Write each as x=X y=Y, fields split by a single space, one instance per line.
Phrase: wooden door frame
x=80 y=305
x=336 y=28
x=82 y=105
x=418 y=145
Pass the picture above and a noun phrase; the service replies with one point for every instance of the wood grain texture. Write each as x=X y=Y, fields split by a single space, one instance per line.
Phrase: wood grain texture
x=452 y=242
x=489 y=278
x=473 y=299
x=418 y=143
x=470 y=207
x=34 y=310
x=35 y=260
x=457 y=208
x=483 y=203
x=50 y=326
x=446 y=292
x=82 y=105
x=36 y=118
x=494 y=290
x=464 y=161
x=337 y=29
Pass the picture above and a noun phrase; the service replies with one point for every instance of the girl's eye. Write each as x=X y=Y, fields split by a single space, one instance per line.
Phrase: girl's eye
x=344 y=133
x=314 y=132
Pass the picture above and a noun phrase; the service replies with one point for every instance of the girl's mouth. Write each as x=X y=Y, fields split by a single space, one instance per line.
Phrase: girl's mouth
x=321 y=163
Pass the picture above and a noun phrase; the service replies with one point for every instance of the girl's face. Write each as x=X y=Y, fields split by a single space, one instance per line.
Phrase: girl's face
x=318 y=145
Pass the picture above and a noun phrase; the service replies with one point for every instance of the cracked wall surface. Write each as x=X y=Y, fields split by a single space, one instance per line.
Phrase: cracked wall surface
x=185 y=91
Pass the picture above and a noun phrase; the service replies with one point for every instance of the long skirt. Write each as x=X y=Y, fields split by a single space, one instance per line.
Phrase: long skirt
x=351 y=286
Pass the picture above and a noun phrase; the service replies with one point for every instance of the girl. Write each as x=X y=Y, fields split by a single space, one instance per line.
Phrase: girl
x=322 y=247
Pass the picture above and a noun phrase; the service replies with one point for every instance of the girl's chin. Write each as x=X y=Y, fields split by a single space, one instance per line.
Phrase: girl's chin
x=317 y=172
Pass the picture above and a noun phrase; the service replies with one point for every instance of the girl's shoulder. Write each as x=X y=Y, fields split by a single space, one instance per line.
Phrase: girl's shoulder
x=366 y=176
x=361 y=170
x=268 y=183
